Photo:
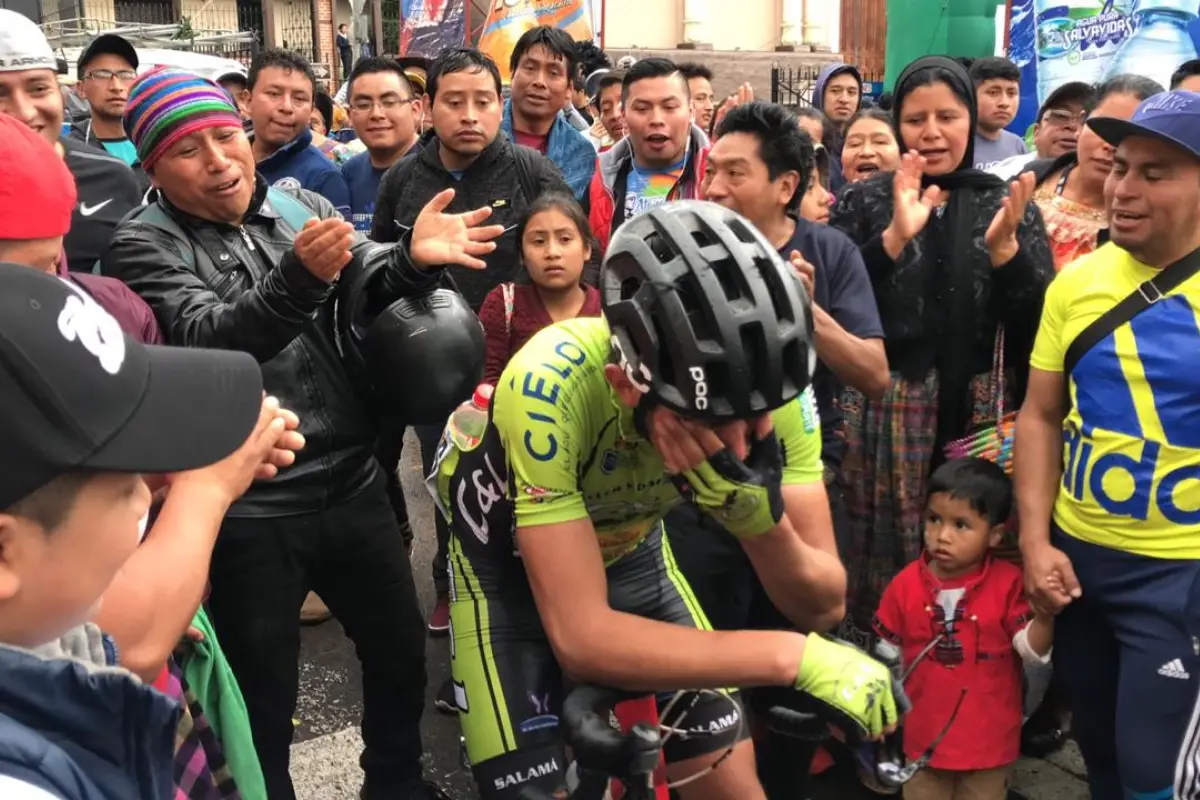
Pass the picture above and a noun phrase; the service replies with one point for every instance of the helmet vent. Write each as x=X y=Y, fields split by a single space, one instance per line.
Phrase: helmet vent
x=780 y=303
x=754 y=351
x=660 y=247
x=666 y=362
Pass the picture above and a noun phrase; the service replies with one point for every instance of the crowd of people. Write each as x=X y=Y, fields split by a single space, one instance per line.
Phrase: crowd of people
x=753 y=423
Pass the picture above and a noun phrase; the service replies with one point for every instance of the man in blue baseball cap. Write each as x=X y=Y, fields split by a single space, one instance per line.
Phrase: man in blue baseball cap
x=1114 y=540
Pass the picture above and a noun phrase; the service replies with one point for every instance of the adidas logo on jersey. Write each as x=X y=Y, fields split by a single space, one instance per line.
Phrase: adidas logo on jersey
x=1174 y=669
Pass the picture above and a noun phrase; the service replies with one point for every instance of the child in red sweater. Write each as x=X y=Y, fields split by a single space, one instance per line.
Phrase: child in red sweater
x=960 y=623
x=556 y=242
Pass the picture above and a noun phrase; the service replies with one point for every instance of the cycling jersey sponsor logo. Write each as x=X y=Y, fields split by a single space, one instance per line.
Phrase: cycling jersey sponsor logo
x=517 y=777
x=808 y=410
x=473 y=509
x=534 y=386
x=609 y=461
x=542 y=718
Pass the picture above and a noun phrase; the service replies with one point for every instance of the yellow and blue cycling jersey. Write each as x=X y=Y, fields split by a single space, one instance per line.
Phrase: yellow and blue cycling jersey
x=572 y=450
x=1131 y=460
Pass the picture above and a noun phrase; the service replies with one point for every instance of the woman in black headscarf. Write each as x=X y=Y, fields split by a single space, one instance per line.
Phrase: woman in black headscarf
x=953 y=254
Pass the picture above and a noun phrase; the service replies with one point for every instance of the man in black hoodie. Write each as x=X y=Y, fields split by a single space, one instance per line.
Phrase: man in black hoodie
x=466 y=152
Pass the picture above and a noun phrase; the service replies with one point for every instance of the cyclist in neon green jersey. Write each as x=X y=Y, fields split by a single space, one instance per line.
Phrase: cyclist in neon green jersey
x=695 y=384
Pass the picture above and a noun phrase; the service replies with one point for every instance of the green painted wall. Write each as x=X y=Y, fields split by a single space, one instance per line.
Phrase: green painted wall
x=938 y=27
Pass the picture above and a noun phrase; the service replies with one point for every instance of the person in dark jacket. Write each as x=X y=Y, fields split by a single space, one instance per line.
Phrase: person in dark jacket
x=82 y=417
x=838 y=93
x=465 y=151
x=226 y=263
x=282 y=89
x=105 y=70
x=959 y=262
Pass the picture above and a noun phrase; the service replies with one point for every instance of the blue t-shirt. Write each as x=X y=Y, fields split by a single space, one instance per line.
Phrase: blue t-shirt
x=363 y=178
x=842 y=288
x=122 y=149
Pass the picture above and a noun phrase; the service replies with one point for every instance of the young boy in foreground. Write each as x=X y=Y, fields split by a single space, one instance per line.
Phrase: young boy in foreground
x=85 y=413
x=960 y=624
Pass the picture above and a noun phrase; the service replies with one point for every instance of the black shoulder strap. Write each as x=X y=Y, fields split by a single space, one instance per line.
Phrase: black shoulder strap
x=1146 y=295
x=524 y=163
x=620 y=187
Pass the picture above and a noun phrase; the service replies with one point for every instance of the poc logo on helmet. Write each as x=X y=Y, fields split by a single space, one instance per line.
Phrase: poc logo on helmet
x=700 y=387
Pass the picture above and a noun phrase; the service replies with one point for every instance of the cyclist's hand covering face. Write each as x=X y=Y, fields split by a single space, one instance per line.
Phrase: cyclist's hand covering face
x=685 y=444
x=743 y=494
x=859 y=692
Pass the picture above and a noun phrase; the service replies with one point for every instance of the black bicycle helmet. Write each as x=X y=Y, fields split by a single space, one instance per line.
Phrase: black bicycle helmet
x=705 y=315
x=419 y=357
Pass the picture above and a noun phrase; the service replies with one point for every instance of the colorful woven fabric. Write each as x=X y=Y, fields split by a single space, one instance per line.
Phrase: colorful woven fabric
x=167 y=104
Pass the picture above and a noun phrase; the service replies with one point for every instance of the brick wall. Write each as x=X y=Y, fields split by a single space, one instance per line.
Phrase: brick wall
x=324 y=47
x=732 y=68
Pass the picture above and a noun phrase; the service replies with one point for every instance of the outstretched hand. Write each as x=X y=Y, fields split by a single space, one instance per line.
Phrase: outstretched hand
x=439 y=239
x=1001 y=236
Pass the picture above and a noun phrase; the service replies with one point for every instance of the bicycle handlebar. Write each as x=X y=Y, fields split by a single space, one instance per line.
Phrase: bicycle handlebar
x=601 y=747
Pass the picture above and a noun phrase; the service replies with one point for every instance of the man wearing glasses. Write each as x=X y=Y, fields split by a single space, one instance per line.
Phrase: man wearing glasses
x=386 y=116
x=1059 y=121
x=106 y=70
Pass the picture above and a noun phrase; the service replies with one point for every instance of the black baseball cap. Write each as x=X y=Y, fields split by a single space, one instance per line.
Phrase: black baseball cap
x=106 y=43
x=1071 y=90
x=78 y=395
x=1171 y=117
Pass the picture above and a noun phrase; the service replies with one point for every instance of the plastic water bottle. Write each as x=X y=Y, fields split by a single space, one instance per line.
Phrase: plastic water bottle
x=1076 y=39
x=469 y=421
x=1160 y=43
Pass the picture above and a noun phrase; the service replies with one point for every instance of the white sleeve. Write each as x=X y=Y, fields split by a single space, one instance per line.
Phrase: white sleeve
x=1028 y=656
x=14 y=789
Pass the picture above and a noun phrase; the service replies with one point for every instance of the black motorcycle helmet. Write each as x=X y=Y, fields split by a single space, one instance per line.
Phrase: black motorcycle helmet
x=705 y=315
x=419 y=357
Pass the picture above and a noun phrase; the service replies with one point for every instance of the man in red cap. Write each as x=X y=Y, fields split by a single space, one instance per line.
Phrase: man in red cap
x=37 y=198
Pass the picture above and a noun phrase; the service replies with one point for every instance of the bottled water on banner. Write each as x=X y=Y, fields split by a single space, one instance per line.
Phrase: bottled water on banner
x=469 y=421
x=1076 y=39
x=1161 y=40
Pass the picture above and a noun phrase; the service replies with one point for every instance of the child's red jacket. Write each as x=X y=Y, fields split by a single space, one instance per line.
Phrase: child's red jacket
x=974 y=652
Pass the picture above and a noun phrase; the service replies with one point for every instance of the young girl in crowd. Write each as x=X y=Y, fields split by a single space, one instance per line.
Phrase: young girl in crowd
x=556 y=242
x=870 y=145
x=959 y=624
x=824 y=134
x=955 y=256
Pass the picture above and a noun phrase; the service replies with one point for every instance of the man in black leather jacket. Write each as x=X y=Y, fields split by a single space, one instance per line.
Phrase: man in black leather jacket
x=226 y=263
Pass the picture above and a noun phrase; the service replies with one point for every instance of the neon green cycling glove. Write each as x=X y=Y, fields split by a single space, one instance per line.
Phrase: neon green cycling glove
x=745 y=497
x=854 y=687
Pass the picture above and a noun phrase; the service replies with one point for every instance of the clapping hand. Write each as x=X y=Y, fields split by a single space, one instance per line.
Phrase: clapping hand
x=912 y=205
x=439 y=238
x=1001 y=237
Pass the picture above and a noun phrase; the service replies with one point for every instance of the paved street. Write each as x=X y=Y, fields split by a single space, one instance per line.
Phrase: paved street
x=325 y=756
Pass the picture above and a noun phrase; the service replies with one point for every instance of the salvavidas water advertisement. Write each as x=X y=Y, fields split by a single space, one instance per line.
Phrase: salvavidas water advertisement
x=1055 y=41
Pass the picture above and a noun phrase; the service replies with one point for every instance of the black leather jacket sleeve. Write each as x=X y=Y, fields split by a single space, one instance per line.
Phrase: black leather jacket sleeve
x=262 y=320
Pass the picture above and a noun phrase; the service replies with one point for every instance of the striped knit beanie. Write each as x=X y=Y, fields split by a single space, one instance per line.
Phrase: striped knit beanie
x=167 y=104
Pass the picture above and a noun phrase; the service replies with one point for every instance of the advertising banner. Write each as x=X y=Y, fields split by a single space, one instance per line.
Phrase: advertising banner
x=1056 y=41
x=508 y=19
x=427 y=27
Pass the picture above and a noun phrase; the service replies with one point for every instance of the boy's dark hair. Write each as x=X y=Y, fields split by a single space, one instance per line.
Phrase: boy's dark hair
x=591 y=58
x=373 y=65
x=614 y=77
x=981 y=483
x=556 y=41
x=1186 y=70
x=50 y=505
x=324 y=105
x=283 y=59
x=782 y=146
x=994 y=68
x=649 y=68
x=463 y=59
x=1139 y=86
x=568 y=206
x=693 y=70
x=884 y=103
